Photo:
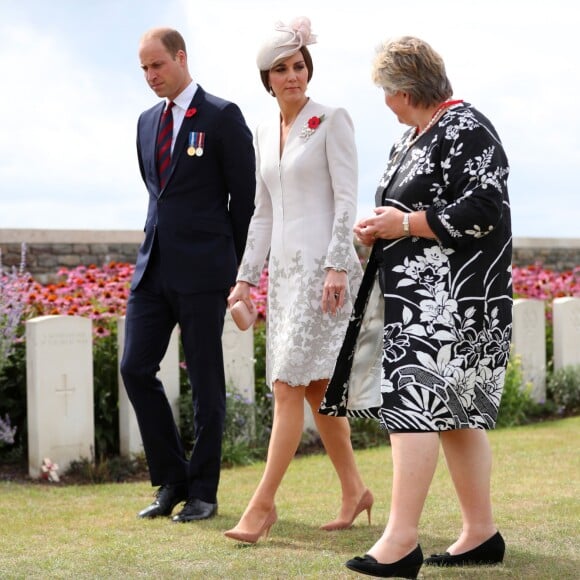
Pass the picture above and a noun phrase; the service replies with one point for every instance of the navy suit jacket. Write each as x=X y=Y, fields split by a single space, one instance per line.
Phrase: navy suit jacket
x=201 y=216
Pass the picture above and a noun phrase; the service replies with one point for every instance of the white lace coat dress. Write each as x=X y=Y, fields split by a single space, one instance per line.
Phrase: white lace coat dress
x=305 y=211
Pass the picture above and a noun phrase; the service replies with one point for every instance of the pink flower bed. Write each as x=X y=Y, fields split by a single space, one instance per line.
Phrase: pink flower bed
x=260 y=295
x=101 y=293
x=545 y=284
x=98 y=293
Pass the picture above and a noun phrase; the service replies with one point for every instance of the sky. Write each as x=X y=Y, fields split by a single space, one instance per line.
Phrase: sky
x=72 y=90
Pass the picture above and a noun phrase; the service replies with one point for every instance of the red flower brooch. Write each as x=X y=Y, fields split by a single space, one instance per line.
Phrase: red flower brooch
x=311 y=125
x=191 y=112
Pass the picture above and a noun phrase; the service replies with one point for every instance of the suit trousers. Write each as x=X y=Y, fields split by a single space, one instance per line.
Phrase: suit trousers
x=153 y=310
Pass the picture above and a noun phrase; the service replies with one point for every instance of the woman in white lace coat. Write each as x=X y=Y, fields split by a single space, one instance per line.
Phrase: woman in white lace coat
x=305 y=210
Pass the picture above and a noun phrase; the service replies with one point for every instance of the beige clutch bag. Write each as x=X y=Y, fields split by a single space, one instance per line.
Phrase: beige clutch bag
x=242 y=315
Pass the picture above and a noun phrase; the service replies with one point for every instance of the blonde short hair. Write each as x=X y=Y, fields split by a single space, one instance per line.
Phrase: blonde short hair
x=408 y=64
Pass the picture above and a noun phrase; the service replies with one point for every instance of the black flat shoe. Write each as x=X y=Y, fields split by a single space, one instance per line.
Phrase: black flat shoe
x=490 y=552
x=196 y=509
x=166 y=498
x=407 y=567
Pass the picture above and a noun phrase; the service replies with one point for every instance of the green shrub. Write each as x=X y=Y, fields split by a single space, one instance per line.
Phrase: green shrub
x=365 y=433
x=263 y=400
x=106 y=393
x=549 y=343
x=238 y=446
x=564 y=389
x=115 y=469
x=13 y=402
x=516 y=401
x=244 y=431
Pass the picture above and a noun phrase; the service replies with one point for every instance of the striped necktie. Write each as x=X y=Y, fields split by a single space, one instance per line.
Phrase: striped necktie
x=164 y=138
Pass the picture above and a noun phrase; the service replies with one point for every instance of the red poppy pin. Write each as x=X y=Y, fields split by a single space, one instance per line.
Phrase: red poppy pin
x=311 y=125
x=313 y=122
x=191 y=112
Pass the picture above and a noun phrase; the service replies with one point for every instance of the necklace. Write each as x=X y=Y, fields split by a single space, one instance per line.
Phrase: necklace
x=436 y=116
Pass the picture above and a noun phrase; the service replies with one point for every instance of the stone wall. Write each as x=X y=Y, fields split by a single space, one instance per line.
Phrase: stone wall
x=48 y=250
x=557 y=254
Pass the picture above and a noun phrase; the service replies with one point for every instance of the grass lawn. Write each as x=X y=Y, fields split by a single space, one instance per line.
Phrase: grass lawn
x=70 y=531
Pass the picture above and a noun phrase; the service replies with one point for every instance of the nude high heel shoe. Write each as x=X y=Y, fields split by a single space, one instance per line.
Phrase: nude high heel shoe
x=365 y=503
x=253 y=537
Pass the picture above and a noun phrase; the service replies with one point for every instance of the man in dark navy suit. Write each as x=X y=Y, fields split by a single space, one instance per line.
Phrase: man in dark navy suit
x=197 y=222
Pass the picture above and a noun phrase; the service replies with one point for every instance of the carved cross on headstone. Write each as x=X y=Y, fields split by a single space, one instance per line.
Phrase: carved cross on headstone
x=65 y=390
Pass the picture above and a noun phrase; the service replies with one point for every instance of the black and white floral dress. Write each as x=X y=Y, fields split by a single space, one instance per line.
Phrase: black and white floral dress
x=445 y=338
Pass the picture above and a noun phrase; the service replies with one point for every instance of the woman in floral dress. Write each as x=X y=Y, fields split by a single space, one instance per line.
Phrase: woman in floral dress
x=441 y=238
x=305 y=210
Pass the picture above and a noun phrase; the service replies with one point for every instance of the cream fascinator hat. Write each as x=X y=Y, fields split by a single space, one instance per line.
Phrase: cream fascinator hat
x=286 y=41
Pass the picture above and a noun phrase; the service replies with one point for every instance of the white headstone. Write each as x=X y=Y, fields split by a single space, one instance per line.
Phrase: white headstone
x=130 y=442
x=59 y=391
x=529 y=342
x=566 y=321
x=238 y=348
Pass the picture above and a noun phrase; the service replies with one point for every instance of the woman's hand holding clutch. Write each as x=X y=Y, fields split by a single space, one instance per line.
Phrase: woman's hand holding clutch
x=244 y=316
x=242 y=309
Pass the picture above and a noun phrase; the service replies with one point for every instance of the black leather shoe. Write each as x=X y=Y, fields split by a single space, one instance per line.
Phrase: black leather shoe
x=196 y=509
x=166 y=498
x=407 y=567
x=490 y=552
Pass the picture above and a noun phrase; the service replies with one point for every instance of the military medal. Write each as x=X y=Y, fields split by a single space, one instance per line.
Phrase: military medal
x=200 y=142
x=191 y=146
